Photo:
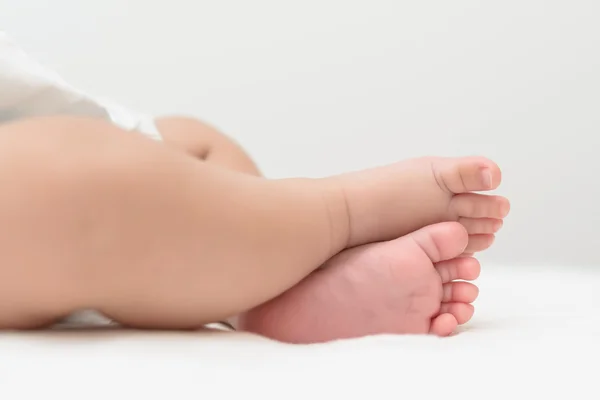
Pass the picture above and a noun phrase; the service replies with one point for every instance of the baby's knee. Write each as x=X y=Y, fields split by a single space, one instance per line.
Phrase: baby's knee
x=190 y=135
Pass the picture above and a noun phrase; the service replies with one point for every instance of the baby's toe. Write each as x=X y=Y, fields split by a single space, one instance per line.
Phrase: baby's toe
x=463 y=268
x=467 y=174
x=479 y=243
x=443 y=325
x=462 y=312
x=472 y=205
x=462 y=292
x=478 y=226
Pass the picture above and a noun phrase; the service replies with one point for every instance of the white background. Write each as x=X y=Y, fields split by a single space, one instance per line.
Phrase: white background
x=317 y=87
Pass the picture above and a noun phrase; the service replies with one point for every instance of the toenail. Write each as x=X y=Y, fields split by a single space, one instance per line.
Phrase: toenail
x=486 y=177
x=505 y=209
x=498 y=225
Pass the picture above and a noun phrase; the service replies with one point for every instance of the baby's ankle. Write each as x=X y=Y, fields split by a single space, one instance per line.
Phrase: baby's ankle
x=322 y=203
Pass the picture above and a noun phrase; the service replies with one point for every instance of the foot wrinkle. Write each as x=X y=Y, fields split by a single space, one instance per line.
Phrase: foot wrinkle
x=439 y=179
x=435 y=254
x=462 y=181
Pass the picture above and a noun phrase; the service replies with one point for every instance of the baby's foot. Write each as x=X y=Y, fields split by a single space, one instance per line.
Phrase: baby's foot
x=388 y=202
x=404 y=286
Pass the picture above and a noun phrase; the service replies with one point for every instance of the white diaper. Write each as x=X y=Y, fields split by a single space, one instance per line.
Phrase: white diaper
x=28 y=89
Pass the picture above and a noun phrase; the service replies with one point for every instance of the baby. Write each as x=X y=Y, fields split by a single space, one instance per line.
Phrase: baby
x=168 y=224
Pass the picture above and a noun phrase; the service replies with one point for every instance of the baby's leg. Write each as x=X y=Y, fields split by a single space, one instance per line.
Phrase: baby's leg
x=425 y=190
x=415 y=178
x=206 y=144
x=98 y=218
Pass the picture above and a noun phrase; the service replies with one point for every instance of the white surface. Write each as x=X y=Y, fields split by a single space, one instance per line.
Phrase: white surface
x=316 y=87
x=536 y=328
x=323 y=86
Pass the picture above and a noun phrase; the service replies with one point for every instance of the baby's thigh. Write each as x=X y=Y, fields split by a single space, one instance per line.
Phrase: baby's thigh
x=51 y=170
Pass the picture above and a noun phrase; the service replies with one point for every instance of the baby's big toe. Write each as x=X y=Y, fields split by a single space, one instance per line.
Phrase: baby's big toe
x=467 y=174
